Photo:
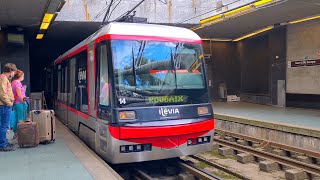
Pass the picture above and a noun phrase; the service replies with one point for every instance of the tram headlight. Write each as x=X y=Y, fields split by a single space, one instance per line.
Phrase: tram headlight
x=127 y=115
x=203 y=111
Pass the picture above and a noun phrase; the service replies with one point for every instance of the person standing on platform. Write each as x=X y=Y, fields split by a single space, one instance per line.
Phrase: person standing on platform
x=6 y=103
x=19 y=104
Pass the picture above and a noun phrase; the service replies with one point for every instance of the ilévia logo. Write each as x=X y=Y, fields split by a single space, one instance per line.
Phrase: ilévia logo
x=168 y=111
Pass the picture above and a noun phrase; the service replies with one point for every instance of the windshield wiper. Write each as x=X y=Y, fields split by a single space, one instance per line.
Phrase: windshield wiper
x=174 y=67
x=133 y=69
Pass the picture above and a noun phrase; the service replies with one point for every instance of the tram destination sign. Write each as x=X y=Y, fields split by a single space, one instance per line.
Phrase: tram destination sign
x=167 y=99
x=315 y=62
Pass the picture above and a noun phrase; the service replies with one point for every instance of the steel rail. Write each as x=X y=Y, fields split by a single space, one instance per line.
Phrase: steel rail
x=310 y=168
x=200 y=173
x=142 y=174
x=201 y=159
x=196 y=171
x=271 y=143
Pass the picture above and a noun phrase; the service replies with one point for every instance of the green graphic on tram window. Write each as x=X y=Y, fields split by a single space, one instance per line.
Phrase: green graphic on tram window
x=167 y=99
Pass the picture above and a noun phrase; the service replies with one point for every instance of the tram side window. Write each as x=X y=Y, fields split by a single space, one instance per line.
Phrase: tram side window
x=72 y=84
x=81 y=82
x=59 y=83
x=55 y=84
x=66 y=82
x=104 y=85
x=63 y=83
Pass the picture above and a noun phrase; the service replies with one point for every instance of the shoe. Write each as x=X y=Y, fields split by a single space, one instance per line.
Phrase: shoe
x=8 y=148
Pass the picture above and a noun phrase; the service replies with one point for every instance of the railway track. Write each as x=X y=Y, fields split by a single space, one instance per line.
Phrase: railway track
x=263 y=149
x=260 y=149
x=217 y=166
x=185 y=169
x=198 y=172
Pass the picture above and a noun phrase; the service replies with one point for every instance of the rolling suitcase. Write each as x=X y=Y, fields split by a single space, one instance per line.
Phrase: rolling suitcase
x=47 y=124
x=28 y=134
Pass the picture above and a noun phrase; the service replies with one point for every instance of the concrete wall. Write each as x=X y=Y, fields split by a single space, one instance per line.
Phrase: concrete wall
x=292 y=139
x=277 y=55
x=223 y=67
x=157 y=11
x=154 y=10
x=303 y=44
x=253 y=68
x=17 y=54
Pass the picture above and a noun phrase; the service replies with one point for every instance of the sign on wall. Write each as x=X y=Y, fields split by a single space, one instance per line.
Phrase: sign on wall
x=16 y=38
x=315 y=62
x=303 y=58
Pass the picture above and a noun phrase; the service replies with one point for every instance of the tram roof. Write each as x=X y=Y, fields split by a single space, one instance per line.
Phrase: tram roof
x=133 y=30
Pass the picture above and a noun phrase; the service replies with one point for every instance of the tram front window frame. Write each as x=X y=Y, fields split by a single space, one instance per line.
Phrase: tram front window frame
x=177 y=67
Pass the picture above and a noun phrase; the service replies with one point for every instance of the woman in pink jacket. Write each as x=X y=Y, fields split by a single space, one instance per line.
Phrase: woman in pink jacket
x=19 y=104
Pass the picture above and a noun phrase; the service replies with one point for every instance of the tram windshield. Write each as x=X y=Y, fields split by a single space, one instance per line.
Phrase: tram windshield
x=149 y=73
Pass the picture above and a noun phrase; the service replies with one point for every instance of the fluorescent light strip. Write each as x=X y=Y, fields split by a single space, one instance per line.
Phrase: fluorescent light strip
x=216 y=39
x=44 y=26
x=233 y=13
x=47 y=18
x=305 y=19
x=196 y=28
x=261 y=2
x=39 y=36
x=211 y=22
x=238 y=10
x=211 y=18
x=254 y=33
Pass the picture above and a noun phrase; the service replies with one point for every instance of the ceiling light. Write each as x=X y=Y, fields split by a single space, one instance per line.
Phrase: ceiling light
x=47 y=18
x=196 y=28
x=238 y=10
x=254 y=33
x=261 y=2
x=232 y=13
x=216 y=39
x=305 y=19
x=39 y=36
x=210 y=18
x=44 y=25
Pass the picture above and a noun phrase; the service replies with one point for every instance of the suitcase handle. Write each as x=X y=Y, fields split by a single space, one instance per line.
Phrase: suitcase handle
x=37 y=112
x=26 y=122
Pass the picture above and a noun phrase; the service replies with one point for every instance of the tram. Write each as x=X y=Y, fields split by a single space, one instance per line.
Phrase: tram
x=135 y=92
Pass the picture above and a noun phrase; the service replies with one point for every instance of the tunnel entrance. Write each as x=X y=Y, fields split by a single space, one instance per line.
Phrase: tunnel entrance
x=61 y=37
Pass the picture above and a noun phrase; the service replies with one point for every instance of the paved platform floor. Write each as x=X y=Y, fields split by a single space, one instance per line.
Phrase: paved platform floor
x=67 y=158
x=289 y=116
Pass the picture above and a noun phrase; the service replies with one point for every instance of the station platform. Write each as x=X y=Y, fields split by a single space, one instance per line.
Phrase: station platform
x=66 y=158
x=290 y=126
x=290 y=116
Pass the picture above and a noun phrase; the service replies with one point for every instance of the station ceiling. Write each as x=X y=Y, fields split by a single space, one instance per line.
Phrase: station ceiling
x=286 y=11
x=29 y=14
x=25 y=13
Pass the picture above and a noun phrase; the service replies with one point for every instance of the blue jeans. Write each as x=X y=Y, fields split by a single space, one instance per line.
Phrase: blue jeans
x=5 y=114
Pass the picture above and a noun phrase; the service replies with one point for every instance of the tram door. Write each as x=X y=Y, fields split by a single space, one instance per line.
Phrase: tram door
x=103 y=95
x=208 y=62
x=72 y=118
x=62 y=92
x=103 y=81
